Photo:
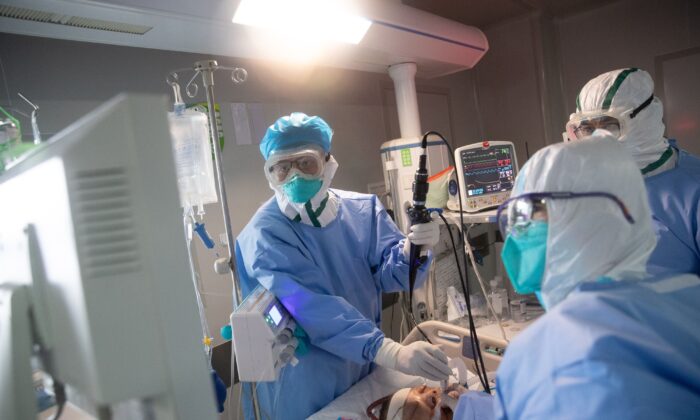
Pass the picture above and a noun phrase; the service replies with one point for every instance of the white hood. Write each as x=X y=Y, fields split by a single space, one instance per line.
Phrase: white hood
x=589 y=238
x=628 y=89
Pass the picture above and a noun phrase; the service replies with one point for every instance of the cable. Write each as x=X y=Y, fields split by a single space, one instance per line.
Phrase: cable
x=483 y=289
x=193 y=273
x=418 y=214
x=476 y=348
x=408 y=314
x=59 y=391
x=489 y=305
x=465 y=290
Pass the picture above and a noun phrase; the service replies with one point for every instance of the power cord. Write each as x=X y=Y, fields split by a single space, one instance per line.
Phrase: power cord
x=59 y=391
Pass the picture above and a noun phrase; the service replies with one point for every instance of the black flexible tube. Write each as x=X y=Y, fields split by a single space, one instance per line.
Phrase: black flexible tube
x=59 y=391
x=476 y=348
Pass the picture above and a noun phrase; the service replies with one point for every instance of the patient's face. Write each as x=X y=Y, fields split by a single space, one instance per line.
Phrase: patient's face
x=421 y=403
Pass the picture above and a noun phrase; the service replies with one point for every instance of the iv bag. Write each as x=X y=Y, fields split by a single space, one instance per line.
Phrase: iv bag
x=193 y=158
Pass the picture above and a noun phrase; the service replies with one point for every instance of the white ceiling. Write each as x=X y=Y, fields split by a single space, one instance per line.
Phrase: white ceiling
x=399 y=33
x=479 y=13
x=485 y=13
x=220 y=10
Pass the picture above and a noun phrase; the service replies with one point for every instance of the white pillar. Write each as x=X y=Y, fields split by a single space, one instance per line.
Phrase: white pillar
x=404 y=77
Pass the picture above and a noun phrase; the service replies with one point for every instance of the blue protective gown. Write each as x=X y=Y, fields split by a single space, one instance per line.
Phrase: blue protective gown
x=617 y=350
x=674 y=198
x=331 y=280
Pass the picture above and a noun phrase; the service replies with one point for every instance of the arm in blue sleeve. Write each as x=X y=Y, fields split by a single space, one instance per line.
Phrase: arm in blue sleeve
x=387 y=259
x=475 y=406
x=594 y=389
x=331 y=322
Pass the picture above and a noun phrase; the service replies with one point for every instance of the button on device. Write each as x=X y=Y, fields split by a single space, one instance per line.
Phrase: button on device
x=285 y=336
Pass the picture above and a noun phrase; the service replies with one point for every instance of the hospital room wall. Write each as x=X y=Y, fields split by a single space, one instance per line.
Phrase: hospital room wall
x=659 y=36
x=650 y=28
x=507 y=89
x=526 y=85
x=68 y=79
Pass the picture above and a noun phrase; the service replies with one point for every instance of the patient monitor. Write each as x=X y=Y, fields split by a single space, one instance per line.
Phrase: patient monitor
x=263 y=337
x=486 y=173
x=94 y=270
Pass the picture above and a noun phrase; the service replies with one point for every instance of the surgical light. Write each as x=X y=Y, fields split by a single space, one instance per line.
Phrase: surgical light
x=318 y=20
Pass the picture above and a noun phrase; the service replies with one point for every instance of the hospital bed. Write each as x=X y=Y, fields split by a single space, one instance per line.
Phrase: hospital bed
x=453 y=340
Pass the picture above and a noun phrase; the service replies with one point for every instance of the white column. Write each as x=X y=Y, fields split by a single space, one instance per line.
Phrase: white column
x=404 y=77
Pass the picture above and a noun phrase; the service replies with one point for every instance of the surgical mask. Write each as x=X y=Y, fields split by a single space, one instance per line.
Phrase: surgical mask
x=300 y=190
x=524 y=255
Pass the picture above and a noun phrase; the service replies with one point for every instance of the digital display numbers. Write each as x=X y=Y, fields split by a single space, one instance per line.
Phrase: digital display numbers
x=487 y=170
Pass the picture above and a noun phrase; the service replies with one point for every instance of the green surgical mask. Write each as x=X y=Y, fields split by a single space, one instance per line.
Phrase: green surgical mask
x=524 y=255
x=300 y=190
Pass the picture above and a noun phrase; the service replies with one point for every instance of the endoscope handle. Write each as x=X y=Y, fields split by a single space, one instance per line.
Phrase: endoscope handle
x=417 y=214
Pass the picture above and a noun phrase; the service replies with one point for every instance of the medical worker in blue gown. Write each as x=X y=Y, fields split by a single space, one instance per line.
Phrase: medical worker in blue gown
x=328 y=255
x=615 y=342
x=623 y=102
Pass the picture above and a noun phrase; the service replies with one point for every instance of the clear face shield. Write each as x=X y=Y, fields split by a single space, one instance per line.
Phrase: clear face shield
x=306 y=162
x=617 y=122
x=518 y=213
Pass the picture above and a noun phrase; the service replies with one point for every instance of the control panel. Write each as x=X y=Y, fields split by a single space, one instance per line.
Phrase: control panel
x=263 y=337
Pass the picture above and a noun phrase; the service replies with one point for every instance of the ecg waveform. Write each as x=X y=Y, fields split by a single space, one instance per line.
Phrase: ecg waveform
x=487 y=170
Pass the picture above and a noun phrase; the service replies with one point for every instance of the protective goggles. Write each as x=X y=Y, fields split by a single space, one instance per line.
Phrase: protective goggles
x=307 y=162
x=517 y=213
x=583 y=124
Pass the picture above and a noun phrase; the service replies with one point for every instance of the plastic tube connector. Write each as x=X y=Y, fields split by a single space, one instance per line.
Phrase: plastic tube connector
x=226 y=332
x=222 y=266
x=203 y=235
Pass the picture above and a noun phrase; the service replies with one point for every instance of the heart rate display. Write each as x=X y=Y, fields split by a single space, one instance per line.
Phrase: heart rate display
x=487 y=170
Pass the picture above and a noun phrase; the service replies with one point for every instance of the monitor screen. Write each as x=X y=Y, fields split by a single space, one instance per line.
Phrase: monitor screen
x=275 y=315
x=487 y=170
x=101 y=197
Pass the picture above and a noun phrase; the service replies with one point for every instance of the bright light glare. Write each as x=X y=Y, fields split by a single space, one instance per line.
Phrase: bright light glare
x=304 y=20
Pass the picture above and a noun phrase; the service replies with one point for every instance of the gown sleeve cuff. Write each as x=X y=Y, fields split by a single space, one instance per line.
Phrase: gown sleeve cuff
x=475 y=406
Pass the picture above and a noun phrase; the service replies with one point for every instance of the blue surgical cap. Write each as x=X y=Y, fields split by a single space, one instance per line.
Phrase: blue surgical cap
x=294 y=130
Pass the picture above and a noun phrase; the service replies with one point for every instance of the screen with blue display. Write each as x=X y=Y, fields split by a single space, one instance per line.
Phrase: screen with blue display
x=487 y=170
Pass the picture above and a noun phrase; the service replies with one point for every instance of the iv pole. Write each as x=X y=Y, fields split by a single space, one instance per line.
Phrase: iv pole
x=207 y=68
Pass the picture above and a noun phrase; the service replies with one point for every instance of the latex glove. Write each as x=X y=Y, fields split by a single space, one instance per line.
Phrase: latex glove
x=450 y=396
x=426 y=235
x=418 y=359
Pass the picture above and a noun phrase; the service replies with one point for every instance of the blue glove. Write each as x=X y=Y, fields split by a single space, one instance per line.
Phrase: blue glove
x=220 y=390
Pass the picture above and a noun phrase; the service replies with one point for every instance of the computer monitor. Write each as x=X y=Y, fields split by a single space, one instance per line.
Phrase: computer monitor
x=486 y=172
x=113 y=298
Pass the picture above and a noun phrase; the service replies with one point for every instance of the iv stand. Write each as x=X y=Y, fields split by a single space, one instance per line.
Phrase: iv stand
x=207 y=68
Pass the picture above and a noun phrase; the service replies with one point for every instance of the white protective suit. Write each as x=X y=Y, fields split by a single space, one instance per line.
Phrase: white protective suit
x=624 y=347
x=589 y=238
x=625 y=89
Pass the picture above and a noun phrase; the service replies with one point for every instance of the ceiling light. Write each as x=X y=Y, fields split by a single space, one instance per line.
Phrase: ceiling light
x=305 y=20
